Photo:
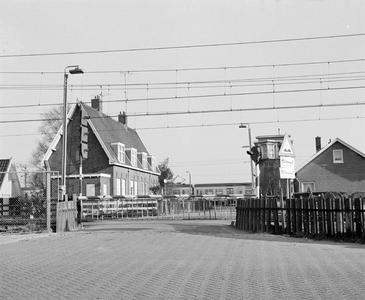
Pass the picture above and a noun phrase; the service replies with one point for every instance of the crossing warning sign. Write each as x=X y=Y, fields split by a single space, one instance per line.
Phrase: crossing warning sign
x=286 y=148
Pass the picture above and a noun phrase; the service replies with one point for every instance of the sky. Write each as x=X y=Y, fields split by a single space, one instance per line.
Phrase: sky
x=188 y=73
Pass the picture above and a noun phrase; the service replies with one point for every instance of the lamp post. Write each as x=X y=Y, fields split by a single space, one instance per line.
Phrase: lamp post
x=74 y=70
x=191 y=187
x=246 y=125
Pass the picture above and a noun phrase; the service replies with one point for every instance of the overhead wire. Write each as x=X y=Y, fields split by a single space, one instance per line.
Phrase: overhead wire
x=175 y=98
x=196 y=68
x=227 y=124
x=185 y=46
x=208 y=111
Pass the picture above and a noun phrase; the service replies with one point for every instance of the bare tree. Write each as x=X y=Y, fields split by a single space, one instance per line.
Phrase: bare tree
x=48 y=129
x=166 y=174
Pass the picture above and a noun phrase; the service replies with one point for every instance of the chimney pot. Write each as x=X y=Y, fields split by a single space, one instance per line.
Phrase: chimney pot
x=96 y=103
x=122 y=118
x=318 y=143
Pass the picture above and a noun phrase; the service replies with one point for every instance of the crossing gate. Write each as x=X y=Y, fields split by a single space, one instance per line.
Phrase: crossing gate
x=158 y=207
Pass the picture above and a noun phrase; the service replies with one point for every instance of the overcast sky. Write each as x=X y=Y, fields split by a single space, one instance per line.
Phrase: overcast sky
x=293 y=67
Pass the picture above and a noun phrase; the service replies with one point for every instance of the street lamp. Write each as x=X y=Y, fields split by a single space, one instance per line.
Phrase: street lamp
x=191 y=187
x=246 y=125
x=74 y=70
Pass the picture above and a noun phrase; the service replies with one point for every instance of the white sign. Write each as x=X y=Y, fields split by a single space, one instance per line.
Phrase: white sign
x=287 y=167
x=287 y=162
x=286 y=148
x=287 y=173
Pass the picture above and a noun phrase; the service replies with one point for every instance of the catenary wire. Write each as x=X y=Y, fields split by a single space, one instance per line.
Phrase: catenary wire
x=186 y=46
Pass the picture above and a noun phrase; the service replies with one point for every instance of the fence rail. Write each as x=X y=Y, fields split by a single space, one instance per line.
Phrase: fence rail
x=160 y=208
x=327 y=213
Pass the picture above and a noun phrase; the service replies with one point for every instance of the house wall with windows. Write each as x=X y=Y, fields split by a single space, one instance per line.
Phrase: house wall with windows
x=337 y=167
x=117 y=161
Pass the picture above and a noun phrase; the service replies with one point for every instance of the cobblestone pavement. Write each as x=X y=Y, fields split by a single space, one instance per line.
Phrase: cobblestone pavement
x=177 y=260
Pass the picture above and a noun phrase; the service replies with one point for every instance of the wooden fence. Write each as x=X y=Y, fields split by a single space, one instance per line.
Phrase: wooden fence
x=327 y=213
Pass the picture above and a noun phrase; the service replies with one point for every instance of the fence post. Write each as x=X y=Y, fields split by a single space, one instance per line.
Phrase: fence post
x=288 y=216
x=357 y=216
x=299 y=215
x=48 y=200
x=313 y=216
x=275 y=214
x=339 y=219
x=258 y=215
x=262 y=214
x=268 y=216
x=254 y=215
x=306 y=216
x=329 y=212
x=294 y=215
x=321 y=223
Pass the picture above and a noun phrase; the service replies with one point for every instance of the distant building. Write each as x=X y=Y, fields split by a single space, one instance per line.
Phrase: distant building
x=217 y=189
x=117 y=163
x=336 y=167
x=9 y=180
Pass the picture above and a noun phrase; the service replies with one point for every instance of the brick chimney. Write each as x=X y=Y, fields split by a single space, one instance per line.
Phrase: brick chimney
x=97 y=103
x=122 y=118
x=318 y=143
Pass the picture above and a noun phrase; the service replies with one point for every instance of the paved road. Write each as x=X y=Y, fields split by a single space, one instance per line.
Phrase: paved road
x=177 y=260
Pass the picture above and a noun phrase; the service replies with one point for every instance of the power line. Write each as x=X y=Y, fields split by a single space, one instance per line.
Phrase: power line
x=210 y=111
x=251 y=123
x=195 y=69
x=230 y=124
x=201 y=96
x=185 y=46
x=280 y=80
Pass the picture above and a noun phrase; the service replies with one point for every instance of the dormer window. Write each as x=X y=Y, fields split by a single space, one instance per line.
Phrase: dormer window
x=144 y=160
x=134 y=157
x=119 y=150
x=337 y=156
x=152 y=162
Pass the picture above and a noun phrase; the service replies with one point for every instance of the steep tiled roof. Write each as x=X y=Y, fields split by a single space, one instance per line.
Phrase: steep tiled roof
x=111 y=131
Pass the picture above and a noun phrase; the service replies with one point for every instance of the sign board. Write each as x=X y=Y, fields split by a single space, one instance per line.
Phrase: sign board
x=286 y=148
x=287 y=167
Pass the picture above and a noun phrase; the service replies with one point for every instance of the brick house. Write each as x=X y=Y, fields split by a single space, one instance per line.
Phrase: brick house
x=117 y=162
x=336 y=167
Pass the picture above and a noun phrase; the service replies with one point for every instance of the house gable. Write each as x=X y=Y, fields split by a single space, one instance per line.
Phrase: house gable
x=325 y=173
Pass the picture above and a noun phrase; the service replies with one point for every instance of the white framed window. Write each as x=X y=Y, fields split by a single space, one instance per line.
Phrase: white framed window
x=123 y=186
x=134 y=157
x=270 y=151
x=308 y=187
x=131 y=187
x=119 y=150
x=144 y=160
x=121 y=153
x=90 y=190
x=135 y=188
x=337 y=156
x=117 y=190
x=104 y=189
x=152 y=161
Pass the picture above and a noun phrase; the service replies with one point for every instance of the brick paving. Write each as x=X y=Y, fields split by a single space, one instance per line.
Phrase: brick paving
x=177 y=260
